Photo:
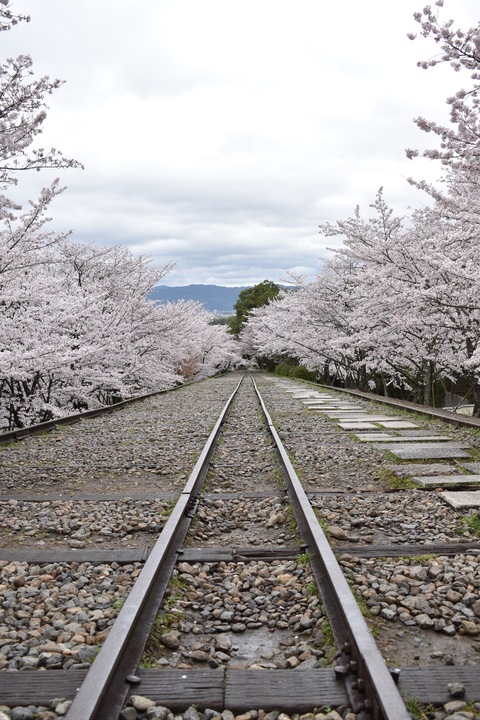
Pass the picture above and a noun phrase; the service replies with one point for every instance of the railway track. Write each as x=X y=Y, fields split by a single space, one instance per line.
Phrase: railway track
x=242 y=578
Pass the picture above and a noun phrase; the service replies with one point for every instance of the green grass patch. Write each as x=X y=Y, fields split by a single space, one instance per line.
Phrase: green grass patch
x=395 y=482
x=418 y=710
x=415 y=559
x=471 y=523
x=391 y=457
x=328 y=643
x=153 y=643
x=323 y=523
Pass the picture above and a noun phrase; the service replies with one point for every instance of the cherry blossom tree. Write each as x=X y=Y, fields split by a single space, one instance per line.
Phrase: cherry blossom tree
x=386 y=308
x=308 y=324
x=22 y=114
x=396 y=331
x=196 y=347
x=28 y=292
x=455 y=215
x=77 y=329
x=79 y=332
x=399 y=300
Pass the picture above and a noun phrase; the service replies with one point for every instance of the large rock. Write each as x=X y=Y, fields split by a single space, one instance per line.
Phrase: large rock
x=337 y=532
x=171 y=640
x=223 y=642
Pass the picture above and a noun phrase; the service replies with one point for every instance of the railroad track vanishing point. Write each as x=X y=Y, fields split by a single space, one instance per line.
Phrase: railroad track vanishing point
x=258 y=614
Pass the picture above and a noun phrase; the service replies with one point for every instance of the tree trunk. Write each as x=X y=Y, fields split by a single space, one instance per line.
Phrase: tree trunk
x=385 y=386
x=428 y=397
x=476 y=401
x=362 y=379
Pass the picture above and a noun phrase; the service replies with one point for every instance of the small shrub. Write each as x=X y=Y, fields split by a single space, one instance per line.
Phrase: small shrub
x=282 y=369
x=301 y=373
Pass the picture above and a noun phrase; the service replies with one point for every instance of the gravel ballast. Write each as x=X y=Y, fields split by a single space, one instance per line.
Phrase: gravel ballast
x=218 y=610
x=249 y=615
x=58 y=615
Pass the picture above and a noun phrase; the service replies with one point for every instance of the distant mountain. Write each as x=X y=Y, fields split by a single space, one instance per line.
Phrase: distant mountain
x=216 y=298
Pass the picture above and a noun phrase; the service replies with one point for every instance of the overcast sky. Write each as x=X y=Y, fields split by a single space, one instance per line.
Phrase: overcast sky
x=219 y=134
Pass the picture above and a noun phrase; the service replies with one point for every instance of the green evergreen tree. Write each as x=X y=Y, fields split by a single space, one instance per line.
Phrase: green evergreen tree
x=250 y=298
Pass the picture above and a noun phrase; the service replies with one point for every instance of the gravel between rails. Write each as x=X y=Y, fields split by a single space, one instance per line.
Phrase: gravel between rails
x=237 y=522
x=254 y=615
x=272 y=608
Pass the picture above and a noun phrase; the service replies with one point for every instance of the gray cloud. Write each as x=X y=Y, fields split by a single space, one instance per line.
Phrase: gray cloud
x=219 y=135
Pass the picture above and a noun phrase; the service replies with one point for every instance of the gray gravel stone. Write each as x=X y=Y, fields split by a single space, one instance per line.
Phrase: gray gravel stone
x=61 y=613
x=456 y=690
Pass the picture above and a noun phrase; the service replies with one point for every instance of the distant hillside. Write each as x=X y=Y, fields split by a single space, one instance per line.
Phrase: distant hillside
x=216 y=298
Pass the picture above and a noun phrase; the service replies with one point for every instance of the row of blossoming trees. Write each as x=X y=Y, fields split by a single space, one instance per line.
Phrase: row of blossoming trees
x=76 y=327
x=397 y=305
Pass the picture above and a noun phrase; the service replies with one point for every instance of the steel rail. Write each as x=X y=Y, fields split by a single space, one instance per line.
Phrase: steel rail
x=107 y=683
x=369 y=683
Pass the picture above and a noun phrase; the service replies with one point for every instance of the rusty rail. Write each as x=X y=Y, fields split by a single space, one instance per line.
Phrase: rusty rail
x=106 y=686
x=370 y=685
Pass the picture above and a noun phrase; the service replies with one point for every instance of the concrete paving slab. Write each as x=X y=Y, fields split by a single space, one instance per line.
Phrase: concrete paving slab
x=370 y=437
x=439 y=480
x=321 y=408
x=410 y=469
x=357 y=426
x=416 y=433
x=346 y=417
x=348 y=406
x=472 y=466
x=376 y=437
x=324 y=398
x=398 y=424
x=462 y=500
x=424 y=450
x=304 y=396
x=353 y=416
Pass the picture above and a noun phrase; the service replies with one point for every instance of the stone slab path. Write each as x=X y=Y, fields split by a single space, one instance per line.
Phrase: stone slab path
x=439 y=480
x=425 y=450
x=462 y=500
